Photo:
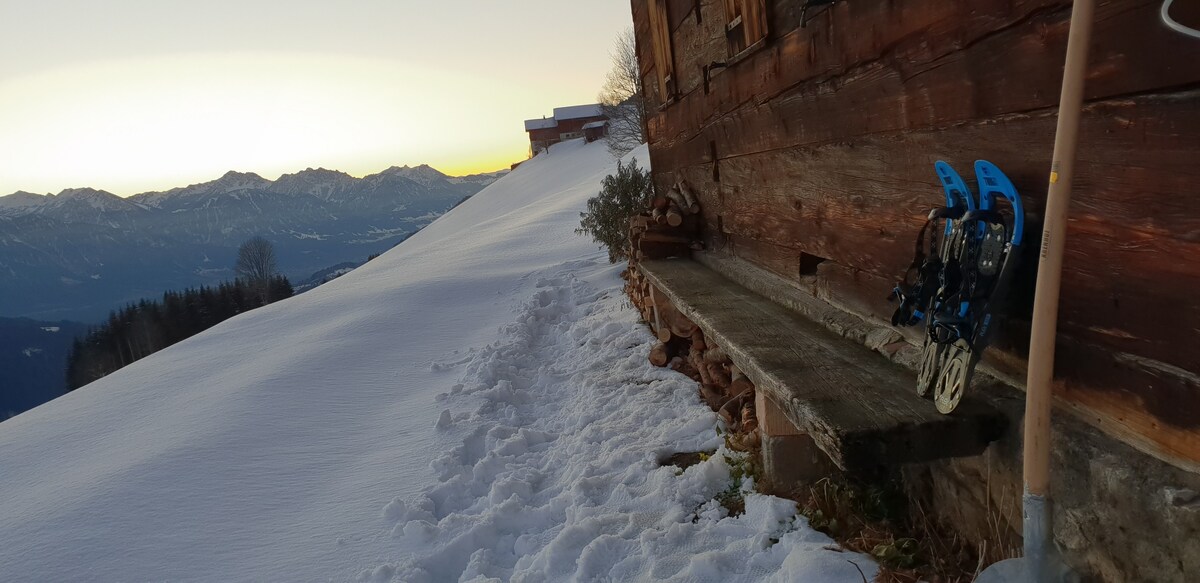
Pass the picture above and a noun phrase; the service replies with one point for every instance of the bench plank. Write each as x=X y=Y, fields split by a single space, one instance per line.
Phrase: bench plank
x=859 y=408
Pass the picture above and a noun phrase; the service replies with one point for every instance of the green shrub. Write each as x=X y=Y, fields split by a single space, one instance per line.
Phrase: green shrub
x=622 y=196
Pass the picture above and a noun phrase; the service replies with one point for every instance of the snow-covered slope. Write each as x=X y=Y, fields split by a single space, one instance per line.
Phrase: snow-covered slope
x=475 y=403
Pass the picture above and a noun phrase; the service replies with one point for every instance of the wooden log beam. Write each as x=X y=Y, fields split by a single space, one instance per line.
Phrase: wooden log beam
x=859 y=204
x=936 y=75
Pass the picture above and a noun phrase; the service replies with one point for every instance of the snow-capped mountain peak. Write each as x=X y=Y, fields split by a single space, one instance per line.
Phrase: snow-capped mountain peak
x=234 y=180
x=326 y=185
x=319 y=174
x=52 y=246
x=318 y=182
x=483 y=178
x=423 y=174
x=86 y=194
x=20 y=199
x=98 y=199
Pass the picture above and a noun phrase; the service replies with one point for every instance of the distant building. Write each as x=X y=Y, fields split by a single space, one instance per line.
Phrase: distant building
x=567 y=123
x=595 y=130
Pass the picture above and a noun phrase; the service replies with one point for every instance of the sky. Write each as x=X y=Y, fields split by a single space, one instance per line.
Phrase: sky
x=137 y=95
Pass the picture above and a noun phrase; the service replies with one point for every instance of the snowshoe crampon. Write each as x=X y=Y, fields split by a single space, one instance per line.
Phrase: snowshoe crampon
x=965 y=257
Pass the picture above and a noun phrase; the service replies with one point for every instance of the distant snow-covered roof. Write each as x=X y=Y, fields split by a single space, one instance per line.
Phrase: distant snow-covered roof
x=540 y=124
x=595 y=124
x=577 y=111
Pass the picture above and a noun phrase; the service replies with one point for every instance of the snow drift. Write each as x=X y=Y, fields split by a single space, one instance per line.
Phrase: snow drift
x=473 y=405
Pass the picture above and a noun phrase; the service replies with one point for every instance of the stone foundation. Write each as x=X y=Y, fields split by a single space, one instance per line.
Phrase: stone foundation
x=1120 y=515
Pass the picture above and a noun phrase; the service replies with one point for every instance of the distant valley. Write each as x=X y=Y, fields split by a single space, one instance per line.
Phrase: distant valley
x=83 y=252
x=33 y=358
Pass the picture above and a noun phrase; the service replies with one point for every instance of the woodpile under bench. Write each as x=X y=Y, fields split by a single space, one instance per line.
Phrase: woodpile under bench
x=823 y=402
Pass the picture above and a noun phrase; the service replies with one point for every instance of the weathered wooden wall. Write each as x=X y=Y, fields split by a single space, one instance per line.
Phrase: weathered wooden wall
x=813 y=157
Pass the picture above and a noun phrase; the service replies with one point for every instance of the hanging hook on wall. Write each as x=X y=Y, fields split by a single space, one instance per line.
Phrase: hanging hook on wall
x=708 y=69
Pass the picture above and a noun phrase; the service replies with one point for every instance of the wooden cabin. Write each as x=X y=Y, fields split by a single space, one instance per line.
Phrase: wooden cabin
x=595 y=130
x=567 y=123
x=807 y=133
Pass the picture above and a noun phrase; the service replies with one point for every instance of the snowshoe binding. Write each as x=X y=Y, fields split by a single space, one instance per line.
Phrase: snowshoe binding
x=939 y=242
x=956 y=276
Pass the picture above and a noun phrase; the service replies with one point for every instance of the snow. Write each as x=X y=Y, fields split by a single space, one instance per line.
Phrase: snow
x=302 y=236
x=423 y=174
x=577 y=111
x=595 y=124
x=473 y=405
x=483 y=178
x=21 y=199
x=540 y=124
x=23 y=203
x=98 y=199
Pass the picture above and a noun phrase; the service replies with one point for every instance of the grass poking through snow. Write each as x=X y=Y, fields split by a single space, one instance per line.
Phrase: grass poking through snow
x=878 y=520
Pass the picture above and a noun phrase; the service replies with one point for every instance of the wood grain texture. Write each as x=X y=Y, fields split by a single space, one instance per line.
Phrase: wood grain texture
x=1133 y=255
x=860 y=409
x=927 y=78
x=699 y=44
x=1103 y=387
x=824 y=140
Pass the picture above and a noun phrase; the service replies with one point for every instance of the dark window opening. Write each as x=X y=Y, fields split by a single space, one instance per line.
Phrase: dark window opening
x=809 y=263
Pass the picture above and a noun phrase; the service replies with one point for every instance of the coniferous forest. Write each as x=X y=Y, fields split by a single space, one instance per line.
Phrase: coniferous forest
x=139 y=330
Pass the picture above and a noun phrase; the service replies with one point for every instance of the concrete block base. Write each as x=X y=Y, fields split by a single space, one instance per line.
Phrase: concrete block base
x=791 y=460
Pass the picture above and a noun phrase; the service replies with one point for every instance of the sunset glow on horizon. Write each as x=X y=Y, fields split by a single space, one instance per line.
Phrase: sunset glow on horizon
x=140 y=120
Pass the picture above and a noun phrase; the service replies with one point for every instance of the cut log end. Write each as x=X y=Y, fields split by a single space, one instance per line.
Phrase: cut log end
x=660 y=355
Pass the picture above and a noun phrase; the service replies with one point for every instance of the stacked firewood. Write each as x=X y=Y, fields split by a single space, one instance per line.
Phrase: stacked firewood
x=669 y=228
x=684 y=347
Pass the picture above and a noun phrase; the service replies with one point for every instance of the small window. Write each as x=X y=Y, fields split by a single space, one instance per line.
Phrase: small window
x=809 y=263
x=746 y=24
x=664 y=61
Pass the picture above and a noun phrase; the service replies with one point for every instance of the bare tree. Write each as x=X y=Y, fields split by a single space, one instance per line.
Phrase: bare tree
x=256 y=261
x=621 y=97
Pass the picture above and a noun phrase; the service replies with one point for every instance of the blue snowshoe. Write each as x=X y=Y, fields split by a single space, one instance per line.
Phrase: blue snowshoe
x=939 y=243
x=955 y=280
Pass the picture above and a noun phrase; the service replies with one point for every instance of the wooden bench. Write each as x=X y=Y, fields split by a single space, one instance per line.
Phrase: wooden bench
x=856 y=406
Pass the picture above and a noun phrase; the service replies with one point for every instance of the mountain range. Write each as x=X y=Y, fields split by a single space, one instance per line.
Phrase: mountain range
x=83 y=252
